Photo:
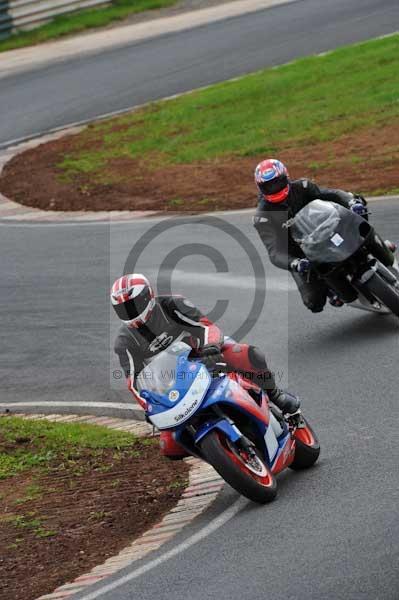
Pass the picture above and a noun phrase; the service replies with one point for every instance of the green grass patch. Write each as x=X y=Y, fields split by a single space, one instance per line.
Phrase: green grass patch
x=29 y=522
x=32 y=492
x=26 y=521
x=41 y=532
x=26 y=444
x=175 y=202
x=315 y=99
x=394 y=191
x=80 y=21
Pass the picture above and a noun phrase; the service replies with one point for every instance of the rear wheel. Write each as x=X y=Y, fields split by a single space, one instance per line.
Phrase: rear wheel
x=307 y=448
x=384 y=292
x=246 y=473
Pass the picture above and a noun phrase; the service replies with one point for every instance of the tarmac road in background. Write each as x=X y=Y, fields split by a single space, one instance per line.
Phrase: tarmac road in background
x=333 y=532
x=57 y=338
x=88 y=86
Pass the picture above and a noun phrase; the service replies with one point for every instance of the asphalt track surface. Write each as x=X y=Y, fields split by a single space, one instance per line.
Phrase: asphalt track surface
x=333 y=532
x=85 y=87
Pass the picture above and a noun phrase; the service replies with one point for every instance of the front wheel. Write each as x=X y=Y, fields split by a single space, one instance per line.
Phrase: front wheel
x=384 y=292
x=248 y=475
x=307 y=448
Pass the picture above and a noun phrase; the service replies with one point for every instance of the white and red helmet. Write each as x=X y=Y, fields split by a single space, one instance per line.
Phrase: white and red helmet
x=133 y=299
x=272 y=179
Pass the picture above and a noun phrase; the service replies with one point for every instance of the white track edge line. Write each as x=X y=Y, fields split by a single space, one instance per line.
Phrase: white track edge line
x=143 y=220
x=213 y=526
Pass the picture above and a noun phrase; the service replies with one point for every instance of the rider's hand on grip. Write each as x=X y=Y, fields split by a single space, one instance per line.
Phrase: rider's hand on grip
x=300 y=265
x=210 y=355
x=360 y=198
x=358 y=206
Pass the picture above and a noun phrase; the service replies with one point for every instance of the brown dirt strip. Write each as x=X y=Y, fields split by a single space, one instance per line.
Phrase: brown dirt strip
x=89 y=511
x=365 y=161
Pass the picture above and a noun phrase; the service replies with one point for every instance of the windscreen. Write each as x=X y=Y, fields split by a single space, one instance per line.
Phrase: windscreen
x=316 y=222
x=326 y=232
x=160 y=375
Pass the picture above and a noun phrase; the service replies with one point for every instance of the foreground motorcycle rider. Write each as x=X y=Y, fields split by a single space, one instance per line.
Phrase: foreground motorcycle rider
x=279 y=200
x=152 y=323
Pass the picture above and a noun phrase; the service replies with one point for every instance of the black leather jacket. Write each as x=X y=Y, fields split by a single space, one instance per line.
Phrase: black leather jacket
x=174 y=318
x=270 y=219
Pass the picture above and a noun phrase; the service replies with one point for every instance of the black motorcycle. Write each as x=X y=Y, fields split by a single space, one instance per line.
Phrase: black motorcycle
x=347 y=253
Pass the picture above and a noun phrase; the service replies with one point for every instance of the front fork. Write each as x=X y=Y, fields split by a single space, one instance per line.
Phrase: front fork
x=227 y=426
x=377 y=267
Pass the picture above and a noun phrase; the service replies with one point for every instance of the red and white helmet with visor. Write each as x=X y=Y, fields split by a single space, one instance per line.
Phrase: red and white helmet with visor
x=133 y=299
x=272 y=179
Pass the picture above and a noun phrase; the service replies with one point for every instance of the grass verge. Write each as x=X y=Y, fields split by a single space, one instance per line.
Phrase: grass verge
x=80 y=21
x=71 y=496
x=334 y=118
x=312 y=100
x=26 y=444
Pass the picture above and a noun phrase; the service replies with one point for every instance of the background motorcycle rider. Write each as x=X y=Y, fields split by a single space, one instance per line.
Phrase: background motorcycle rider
x=279 y=200
x=152 y=323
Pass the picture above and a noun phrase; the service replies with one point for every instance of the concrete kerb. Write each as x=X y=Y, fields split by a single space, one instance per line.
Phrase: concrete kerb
x=106 y=409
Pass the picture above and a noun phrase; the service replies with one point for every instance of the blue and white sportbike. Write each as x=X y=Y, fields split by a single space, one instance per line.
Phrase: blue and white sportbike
x=226 y=420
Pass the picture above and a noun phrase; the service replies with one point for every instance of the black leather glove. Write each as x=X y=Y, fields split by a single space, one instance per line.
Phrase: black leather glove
x=361 y=199
x=211 y=354
x=300 y=265
x=359 y=206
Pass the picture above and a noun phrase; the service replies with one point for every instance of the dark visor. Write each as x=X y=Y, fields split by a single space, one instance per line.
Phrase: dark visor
x=133 y=308
x=268 y=188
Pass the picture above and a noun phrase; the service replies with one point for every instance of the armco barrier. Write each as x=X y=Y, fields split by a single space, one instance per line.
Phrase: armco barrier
x=27 y=14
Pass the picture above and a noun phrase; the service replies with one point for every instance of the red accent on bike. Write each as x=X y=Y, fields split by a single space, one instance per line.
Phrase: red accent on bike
x=285 y=458
x=236 y=356
x=135 y=393
x=305 y=435
x=266 y=480
x=245 y=401
x=169 y=446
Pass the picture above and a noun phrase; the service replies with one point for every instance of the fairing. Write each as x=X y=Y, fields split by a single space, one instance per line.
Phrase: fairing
x=177 y=389
x=327 y=232
x=173 y=387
